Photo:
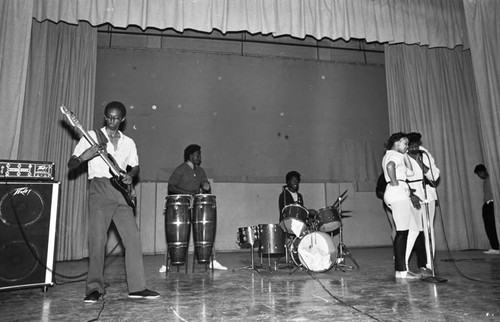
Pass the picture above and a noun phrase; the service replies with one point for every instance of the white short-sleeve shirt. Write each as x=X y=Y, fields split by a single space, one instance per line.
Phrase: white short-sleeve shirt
x=400 y=167
x=124 y=155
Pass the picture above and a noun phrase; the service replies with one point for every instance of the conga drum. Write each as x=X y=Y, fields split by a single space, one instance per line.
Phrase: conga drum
x=178 y=226
x=204 y=226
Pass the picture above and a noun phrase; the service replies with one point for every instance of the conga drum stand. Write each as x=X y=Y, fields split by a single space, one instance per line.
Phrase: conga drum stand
x=168 y=262
x=206 y=265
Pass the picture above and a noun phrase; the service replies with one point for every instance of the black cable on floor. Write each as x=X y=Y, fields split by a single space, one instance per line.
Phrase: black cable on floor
x=102 y=306
x=339 y=300
x=448 y=246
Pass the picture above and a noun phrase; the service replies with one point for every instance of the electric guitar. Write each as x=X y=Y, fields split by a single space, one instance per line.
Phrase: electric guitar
x=127 y=190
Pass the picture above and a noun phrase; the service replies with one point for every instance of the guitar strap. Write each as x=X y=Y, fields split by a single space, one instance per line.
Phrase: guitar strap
x=101 y=138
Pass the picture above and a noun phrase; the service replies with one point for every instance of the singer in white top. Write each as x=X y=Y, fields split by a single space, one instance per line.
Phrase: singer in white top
x=424 y=181
x=397 y=167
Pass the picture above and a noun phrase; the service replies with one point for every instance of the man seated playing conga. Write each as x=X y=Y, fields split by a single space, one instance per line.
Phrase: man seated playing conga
x=190 y=178
x=291 y=206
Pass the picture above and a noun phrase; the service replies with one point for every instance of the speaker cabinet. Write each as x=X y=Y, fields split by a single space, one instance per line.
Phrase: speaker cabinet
x=28 y=214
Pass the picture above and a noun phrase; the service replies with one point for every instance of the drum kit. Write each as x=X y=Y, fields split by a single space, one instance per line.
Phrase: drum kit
x=183 y=212
x=304 y=236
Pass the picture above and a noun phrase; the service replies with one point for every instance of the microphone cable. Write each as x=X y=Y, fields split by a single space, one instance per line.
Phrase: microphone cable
x=445 y=236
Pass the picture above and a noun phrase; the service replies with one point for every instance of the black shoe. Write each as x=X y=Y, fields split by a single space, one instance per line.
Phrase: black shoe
x=424 y=272
x=93 y=297
x=145 y=294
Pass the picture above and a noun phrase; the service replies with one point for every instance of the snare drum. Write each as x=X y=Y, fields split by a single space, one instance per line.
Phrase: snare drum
x=314 y=251
x=247 y=236
x=294 y=219
x=271 y=239
x=328 y=219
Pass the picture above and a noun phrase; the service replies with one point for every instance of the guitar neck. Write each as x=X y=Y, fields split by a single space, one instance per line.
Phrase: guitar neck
x=103 y=154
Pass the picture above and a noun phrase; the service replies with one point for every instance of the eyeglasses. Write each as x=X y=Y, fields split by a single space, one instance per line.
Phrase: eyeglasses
x=113 y=117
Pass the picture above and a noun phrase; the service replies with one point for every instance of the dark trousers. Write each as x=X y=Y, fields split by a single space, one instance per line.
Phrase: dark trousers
x=489 y=224
x=400 y=250
x=420 y=250
x=107 y=204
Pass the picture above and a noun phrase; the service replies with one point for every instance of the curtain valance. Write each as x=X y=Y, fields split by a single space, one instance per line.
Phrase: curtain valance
x=437 y=23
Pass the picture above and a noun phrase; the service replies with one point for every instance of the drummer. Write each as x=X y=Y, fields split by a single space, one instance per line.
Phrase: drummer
x=190 y=178
x=290 y=194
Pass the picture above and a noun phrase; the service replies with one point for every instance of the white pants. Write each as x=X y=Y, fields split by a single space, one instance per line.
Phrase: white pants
x=398 y=199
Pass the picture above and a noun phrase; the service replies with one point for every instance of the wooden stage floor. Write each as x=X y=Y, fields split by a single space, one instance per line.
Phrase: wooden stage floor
x=471 y=292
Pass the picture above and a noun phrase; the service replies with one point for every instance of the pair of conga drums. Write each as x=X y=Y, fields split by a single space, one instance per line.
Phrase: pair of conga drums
x=270 y=238
x=312 y=247
x=180 y=212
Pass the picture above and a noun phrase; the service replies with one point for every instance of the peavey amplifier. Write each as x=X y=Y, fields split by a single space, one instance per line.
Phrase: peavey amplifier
x=31 y=170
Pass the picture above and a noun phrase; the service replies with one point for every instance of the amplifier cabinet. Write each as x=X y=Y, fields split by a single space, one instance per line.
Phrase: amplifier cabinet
x=28 y=216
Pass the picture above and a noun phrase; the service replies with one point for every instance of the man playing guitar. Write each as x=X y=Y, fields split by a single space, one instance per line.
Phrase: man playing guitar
x=107 y=203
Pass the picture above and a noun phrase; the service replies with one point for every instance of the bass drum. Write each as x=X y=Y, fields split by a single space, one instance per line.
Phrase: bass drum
x=314 y=251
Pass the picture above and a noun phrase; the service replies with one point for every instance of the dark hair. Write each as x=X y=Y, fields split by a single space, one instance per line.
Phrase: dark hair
x=117 y=105
x=292 y=174
x=190 y=149
x=480 y=168
x=414 y=137
x=395 y=137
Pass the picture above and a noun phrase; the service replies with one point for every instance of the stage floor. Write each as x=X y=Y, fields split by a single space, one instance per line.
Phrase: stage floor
x=368 y=294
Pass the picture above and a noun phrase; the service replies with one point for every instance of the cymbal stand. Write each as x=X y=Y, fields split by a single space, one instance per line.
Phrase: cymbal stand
x=343 y=252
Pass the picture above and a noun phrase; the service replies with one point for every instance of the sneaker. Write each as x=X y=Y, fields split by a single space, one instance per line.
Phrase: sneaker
x=406 y=275
x=424 y=272
x=93 y=297
x=162 y=269
x=216 y=265
x=144 y=294
x=492 y=252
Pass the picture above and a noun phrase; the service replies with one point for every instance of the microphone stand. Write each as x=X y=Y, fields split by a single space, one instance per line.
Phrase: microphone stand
x=433 y=278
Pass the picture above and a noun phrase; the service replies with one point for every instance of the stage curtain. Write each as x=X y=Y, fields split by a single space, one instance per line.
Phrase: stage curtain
x=61 y=72
x=15 y=33
x=432 y=91
x=484 y=27
x=437 y=23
